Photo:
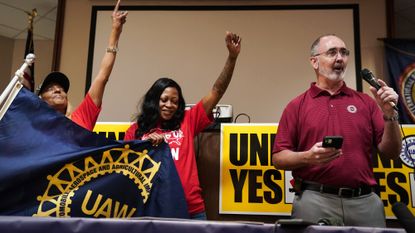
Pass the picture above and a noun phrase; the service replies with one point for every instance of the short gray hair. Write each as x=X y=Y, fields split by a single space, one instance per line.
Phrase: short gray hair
x=316 y=43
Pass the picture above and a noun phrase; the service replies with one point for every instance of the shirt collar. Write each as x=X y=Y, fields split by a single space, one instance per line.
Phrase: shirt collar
x=316 y=91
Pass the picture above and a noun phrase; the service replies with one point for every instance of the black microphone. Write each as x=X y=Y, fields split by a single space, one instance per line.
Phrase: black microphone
x=368 y=76
x=404 y=216
x=330 y=221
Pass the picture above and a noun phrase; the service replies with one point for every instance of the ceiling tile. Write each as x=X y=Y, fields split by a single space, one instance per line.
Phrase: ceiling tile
x=15 y=20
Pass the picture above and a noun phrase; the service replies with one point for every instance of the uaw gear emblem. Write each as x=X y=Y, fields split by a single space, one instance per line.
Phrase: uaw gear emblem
x=135 y=169
x=351 y=109
x=407 y=85
x=408 y=151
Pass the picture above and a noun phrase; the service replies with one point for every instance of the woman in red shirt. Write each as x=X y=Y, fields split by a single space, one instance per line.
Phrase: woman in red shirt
x=163 y=118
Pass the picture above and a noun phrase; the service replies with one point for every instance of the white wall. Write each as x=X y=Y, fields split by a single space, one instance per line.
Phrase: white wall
x=76 y=40
x=188 y=46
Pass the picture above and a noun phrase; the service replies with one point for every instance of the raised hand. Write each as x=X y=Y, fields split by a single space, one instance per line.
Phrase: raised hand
x=384 y=96
x=233 y=42
x=118 y=17
x=96 y=91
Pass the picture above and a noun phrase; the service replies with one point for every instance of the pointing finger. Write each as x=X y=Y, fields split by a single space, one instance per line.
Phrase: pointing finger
x=117 y=6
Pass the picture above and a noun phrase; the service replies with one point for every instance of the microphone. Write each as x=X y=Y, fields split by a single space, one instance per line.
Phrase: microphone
x=405 y=217
x=330 y=221
x=368 y=76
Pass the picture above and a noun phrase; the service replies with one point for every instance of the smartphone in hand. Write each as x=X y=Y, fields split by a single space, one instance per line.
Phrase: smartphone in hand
x=333 y=141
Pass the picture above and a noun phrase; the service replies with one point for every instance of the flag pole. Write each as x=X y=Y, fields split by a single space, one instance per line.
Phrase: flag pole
x=30 y=59
x=29 y=74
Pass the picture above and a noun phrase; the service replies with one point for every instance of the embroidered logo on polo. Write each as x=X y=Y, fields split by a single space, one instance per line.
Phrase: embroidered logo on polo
x=407 y=81
x=351 y=109
x=408 y=151
x=58 y=198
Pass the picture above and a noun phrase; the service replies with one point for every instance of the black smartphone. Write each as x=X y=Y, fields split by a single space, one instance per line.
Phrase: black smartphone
x=333 y=141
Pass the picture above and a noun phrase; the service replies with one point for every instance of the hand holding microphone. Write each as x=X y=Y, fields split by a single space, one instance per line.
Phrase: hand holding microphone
x=388 y=95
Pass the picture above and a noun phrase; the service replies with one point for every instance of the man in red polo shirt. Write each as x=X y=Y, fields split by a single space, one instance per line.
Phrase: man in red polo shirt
x=330 y=182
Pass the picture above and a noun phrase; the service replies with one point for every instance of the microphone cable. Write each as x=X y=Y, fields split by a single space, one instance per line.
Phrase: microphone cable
x=242 y=114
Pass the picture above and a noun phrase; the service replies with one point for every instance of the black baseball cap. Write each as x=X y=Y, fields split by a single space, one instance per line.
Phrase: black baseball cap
x=54 y=77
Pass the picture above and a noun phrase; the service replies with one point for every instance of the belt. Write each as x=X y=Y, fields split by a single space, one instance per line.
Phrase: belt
x=341 y=192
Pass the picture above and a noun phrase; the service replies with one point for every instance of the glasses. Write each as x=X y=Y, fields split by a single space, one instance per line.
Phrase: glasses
x=331 y=53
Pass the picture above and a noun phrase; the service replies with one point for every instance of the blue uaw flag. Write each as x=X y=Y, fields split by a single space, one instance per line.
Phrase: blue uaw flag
x=400 y=59
x=49 y=166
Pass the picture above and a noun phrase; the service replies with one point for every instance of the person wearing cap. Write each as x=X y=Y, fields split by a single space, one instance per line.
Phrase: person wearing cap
x=54 y=88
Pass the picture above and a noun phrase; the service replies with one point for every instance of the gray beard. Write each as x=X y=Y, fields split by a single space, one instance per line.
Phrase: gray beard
x=332 y=75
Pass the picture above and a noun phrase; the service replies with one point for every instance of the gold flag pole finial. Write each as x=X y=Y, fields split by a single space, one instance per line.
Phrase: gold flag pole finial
x=32 y=16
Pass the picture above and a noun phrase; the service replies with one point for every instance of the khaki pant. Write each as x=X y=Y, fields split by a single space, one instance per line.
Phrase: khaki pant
x=366 y=210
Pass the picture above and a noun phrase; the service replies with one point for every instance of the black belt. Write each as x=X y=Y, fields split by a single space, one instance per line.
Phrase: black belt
x=341 y=192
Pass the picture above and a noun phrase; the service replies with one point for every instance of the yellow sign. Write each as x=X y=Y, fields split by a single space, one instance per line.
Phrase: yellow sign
x=396 y=177
x=249 y=184
x=112 y=130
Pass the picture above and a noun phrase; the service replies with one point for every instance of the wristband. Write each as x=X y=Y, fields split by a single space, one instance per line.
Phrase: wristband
x=392 y=118
x=112 y=50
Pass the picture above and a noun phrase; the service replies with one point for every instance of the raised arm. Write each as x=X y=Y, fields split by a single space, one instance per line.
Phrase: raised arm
x=233 y=43
x=96 y=91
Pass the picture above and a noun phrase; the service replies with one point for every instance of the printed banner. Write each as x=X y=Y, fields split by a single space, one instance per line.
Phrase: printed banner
x=50 y=166
x=112 y=130
x=400 y=60
x=249 y=184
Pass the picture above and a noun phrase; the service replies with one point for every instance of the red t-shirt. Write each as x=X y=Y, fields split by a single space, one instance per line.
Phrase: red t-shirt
x=183 y=153
x=315 y=114
x=86 y=114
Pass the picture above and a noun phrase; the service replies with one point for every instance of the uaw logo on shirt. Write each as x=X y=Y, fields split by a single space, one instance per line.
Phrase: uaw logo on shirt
x=174 y=139
x=107 y=184
x=351 y=108
x=408 y=151
x=406 y=83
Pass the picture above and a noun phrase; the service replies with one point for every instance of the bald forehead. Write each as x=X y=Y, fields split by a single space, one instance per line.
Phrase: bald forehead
x=329 y=42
